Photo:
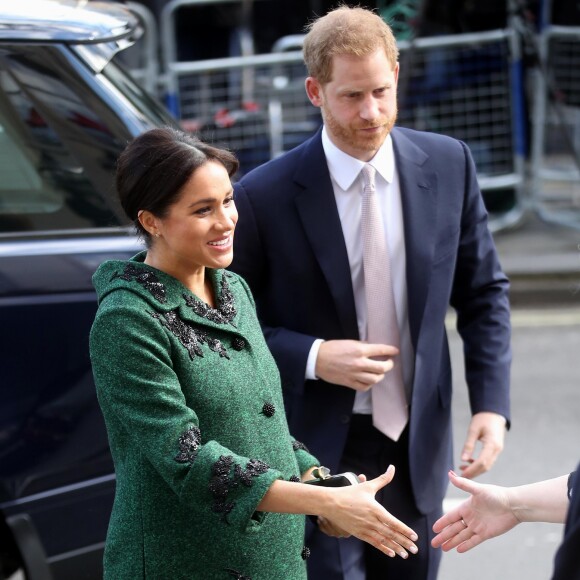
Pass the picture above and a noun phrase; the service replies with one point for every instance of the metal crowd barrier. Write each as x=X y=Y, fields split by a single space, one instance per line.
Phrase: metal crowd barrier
x=169 y=46
x=467 y=86
x=555 y=158
x=214 y=103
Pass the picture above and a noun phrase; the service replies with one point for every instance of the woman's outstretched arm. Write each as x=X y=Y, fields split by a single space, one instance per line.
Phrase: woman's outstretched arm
x=493 y=510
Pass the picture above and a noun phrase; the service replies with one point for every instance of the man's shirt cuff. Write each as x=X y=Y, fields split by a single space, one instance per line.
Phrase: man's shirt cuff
x=311 y=362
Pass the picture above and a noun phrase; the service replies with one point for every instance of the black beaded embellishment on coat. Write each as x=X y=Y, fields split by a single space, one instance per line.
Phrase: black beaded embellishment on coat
x=191 y=338
x=297 y=445
x=268 y=409
x=223 y=481
x=146 y=278
x=189 y=443
x=294 y=479
x=237 y=575
x=238 y=343
x=305 y=552
x=226 y=305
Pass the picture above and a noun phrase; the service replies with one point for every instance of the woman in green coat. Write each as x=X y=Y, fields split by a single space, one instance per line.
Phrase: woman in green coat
x=208 y=476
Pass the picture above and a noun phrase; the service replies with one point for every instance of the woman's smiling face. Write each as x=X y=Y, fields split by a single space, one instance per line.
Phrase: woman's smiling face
x=198 y=229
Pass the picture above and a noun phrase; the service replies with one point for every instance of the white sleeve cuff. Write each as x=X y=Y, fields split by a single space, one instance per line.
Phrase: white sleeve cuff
x=311 y=362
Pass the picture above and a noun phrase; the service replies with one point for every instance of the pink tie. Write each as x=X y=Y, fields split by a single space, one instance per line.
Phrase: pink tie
x=390 y=411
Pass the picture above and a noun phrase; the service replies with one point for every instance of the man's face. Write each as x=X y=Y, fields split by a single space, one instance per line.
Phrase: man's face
x=359 y=104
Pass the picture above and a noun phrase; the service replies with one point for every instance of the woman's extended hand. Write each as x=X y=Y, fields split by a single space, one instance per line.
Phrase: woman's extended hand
x=486 y=514
x=329 y=528
x=355 y=511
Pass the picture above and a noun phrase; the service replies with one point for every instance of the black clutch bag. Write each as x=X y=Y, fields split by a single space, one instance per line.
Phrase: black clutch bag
x=323 y=477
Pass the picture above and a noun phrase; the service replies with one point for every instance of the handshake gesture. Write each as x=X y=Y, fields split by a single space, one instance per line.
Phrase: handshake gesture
x=357 y=513
x=351 y=510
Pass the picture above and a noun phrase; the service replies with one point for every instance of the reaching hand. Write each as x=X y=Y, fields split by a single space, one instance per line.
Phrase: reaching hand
x=331 y=529
x=489 y=430
x=486 y=514
x=356 y=512
x=355 y=364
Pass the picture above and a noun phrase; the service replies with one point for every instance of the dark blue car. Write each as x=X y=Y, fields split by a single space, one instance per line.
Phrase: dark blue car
x=66 y=112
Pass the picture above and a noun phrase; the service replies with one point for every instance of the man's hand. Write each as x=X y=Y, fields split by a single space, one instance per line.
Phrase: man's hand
x=330 y=529
x=354 y=364
x=489 y=429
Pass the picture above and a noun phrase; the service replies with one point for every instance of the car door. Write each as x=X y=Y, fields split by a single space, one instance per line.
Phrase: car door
x=62 y=127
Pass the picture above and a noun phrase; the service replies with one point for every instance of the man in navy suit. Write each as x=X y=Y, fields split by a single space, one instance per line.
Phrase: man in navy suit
x=298 y=244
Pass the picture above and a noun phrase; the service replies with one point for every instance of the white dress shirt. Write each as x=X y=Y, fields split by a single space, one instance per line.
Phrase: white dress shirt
x=347 y=183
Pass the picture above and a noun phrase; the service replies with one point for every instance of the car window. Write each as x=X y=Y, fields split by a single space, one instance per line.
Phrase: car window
x=56 y=154
x=117 y=73
x=33 y=163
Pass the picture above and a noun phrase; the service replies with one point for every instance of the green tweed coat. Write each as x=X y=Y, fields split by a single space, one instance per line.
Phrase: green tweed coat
x=193 y=406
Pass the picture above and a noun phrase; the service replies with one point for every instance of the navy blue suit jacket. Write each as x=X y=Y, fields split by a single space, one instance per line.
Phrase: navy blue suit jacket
x=290 y=248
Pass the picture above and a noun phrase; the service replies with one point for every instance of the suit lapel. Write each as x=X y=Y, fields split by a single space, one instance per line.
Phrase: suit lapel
x=418 y=194
x=316 y=206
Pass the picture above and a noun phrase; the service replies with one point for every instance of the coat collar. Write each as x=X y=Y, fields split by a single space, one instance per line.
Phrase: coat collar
x=164 y=293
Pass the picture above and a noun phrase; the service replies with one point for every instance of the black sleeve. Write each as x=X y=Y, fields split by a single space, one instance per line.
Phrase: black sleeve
x=571 y=480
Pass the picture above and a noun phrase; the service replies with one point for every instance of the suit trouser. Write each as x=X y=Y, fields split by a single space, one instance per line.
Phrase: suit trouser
x=370 y=452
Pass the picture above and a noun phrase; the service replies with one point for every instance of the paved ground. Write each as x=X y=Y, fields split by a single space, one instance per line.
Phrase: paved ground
x=542 y=261
x=542 y=443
